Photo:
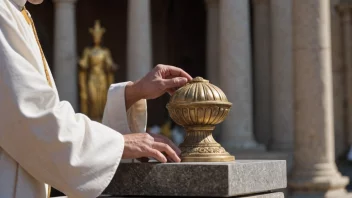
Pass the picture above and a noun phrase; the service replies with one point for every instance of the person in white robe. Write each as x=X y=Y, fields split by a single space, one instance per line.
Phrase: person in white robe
x=43 y=141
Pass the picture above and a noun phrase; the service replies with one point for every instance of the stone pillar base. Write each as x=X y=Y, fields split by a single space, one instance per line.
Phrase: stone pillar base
x=326 y=186
x=333 y=194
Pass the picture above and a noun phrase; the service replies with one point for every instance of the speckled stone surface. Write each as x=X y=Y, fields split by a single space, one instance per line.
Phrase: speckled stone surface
x=243 y=177
x=269 y=195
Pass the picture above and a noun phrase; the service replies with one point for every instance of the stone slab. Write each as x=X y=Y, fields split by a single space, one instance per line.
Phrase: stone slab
x=242 y=177
x=269 y=195
x=265 y=155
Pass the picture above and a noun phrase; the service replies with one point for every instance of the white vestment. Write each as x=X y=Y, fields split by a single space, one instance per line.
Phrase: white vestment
x=42 y=140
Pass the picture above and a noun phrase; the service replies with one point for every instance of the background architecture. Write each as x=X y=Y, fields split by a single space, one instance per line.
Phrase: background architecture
x=286 y=65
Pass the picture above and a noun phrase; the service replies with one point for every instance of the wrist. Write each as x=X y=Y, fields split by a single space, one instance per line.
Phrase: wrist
x=132 y=94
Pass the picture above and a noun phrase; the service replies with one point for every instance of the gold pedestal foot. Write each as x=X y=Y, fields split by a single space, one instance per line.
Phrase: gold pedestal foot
x=226 y=157
x=200 y=146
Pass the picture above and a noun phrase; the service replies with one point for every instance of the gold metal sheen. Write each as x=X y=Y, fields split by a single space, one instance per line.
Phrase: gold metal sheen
x=96 y=74
x=198 y=107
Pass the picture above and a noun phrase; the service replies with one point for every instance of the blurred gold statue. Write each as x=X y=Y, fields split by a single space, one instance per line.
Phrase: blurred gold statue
x=96 y=73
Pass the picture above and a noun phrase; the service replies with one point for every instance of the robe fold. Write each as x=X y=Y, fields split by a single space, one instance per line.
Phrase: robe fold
x=42 y=140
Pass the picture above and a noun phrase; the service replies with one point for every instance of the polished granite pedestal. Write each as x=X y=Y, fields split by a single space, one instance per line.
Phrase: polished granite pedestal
x=242 y=178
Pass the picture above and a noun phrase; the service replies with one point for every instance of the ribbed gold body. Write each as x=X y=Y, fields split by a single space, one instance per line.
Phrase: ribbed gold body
x=198 y=107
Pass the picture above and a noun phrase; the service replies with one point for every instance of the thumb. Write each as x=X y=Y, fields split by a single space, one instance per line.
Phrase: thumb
x=175 y=82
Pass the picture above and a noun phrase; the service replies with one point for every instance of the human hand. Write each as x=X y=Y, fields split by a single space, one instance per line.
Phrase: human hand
x=163 y=78
x=139 y=145
x=161 y=138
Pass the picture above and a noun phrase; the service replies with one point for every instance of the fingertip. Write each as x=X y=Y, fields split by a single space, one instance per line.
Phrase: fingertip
x=183 y=81
x=161 y=159
x=154 y=153
x=178 y=160
x=175 y=158
x=186 y=75
x=164 y=160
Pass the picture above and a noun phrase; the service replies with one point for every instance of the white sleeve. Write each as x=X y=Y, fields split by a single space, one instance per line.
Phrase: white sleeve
x=115 y=116
x=45 y=136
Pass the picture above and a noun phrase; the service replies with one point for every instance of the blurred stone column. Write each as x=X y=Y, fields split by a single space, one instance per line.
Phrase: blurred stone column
x=212 y=67
x=314 y=171
x=236 y=74
x=139 y=50
x=345 y=13
x=213 y=41
x=282 y=82
x=65 y=57
x=262 y=70
x=339 y=80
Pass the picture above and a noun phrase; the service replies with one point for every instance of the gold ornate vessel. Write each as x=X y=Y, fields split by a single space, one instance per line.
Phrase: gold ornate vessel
x=198 y=107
